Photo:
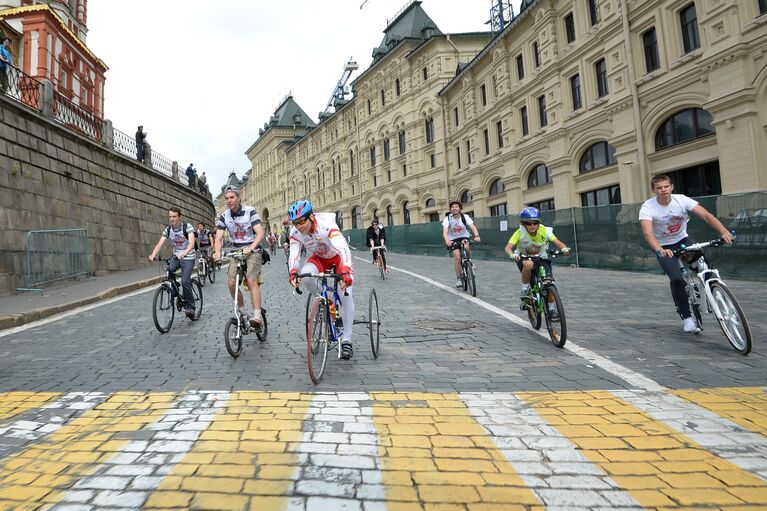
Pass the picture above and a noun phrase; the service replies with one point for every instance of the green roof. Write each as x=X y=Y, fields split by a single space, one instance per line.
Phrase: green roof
x=289 y=114
x=411 y=23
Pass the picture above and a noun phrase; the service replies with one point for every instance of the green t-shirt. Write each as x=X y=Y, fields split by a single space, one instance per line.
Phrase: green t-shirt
x=526 y=244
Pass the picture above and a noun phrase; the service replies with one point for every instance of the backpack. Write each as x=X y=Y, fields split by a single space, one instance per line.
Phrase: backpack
x=265 y=257
x=183 y=228
x=463 y=219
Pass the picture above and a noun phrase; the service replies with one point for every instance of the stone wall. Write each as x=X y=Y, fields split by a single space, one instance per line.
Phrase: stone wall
x=53 y=178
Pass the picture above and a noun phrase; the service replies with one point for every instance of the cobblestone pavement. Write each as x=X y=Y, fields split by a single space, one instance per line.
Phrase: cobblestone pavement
x=466 y=408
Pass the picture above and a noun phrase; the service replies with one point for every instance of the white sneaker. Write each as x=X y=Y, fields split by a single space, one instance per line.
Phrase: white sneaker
x=459 y=283
x=689 y=325
x=255 y=321
x=523 y=291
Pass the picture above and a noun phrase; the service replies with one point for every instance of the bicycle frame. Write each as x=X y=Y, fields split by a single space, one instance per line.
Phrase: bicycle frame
x=323 y=294
x=241 y=325
x=705 y=277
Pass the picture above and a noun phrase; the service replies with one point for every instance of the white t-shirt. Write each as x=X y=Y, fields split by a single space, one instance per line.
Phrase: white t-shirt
x=669 y=223
x=455 y=227
x=179 y=238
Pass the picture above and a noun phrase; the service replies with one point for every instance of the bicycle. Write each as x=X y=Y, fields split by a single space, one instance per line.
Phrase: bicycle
x=467 y=267
x=205 y=269
x=168 y=298
x=716 y=297
x=541 y=294
x=379 y=261
x=324 y=324
x=238 y=326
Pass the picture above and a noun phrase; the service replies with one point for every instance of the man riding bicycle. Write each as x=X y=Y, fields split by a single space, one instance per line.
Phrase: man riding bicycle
x=663 y=219
x=455 y=231
x=376 y=237
x=204 y=242
x=246 y=232
x=328 y=252
x=532 y=238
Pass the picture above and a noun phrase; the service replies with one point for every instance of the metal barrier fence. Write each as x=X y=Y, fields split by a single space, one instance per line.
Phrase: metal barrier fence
x=608 y=237
x=53 y=255
x=21 y=87
x=74 y=116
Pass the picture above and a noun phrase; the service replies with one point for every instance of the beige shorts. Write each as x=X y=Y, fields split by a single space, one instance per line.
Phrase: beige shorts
x=254 y=267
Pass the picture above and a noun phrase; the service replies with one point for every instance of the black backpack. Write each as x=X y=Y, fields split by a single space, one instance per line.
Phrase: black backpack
x=183 y=228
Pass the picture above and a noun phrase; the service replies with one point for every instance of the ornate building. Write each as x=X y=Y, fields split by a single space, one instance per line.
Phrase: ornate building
x=575 y=103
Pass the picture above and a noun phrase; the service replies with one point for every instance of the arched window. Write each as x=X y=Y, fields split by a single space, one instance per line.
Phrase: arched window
x=375 y=213
x=466 y=197
x=389 y=217
x=539 y=176
x=340 y=219
x=356 y=217
x=496 y=187
x=683 y=126
x=405 y=214
x=597 y=156
x=430 y=203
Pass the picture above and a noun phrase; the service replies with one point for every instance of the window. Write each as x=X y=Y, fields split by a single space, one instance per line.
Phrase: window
x=375 y=180
x=544 y=205
x=597 y=156
x=340 y=220
x=498 y=210
x=370 y=107
x=430 y=203
x=433 y=160
x=458 y=157
x=466 y=198
x=401 y=142
x=542 y=111
x=455 y=114
x=496 y=187
x=683 y=126
x=429 y=126
x=404 y=170
x=570 y=28
x=405 y=214
x=383 y=98
x=688 y=20
x=387 y=150
x=351 y=163
x=389 y=217
x=601 y=71
x=536 y=55
x=425 y=73
x=433 y=217
x=762 y=6
x=372 y=156
x=523 y=116
x=539 y=176
x=334 y=171
x=593 y=13
x=575 y=90
x=697 y=181
x=483 y=94
x=499 y=132
x=356 y=217
x=520 y=67
x=397 y=89
x=602 y=197
x=468 y=152
x=486 y=135
x=388 y=175
x=651 y=58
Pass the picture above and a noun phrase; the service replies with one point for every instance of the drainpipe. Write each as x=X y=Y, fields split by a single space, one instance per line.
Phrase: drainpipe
x=444 y=147
x=641 y=155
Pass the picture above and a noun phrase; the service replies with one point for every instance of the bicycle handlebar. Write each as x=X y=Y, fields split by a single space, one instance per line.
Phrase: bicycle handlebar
x=377 y=248
x=552 y=253
x=321 y=275
x=698 y=246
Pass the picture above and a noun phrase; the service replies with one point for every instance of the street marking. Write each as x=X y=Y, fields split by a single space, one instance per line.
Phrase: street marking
x=44 y=471
x=745 y=406
x=654 y=463
x=433 y=451
x=634 y=378
x=550 y=464
x=14 y=403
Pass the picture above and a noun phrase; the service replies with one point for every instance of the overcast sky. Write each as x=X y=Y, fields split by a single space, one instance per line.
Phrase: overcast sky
x=203 y=76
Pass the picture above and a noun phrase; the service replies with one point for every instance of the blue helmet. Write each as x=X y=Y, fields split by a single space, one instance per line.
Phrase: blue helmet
x=299 y=209
x=530 y=214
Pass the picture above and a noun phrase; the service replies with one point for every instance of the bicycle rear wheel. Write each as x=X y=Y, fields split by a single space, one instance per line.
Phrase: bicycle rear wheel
x=733 y=321
x=470 y=279
x=557 y=327
x=163 y=310
x=464 y=280
x=201 y=273
x=317 y=338
x=197 y=292
x=262 y=332
x=211 y=273
x=374 y=323
x=233 y=338
x=381 y=267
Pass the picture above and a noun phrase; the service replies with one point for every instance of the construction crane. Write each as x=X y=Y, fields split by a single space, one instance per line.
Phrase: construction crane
x=501 y=14
x=340 y=92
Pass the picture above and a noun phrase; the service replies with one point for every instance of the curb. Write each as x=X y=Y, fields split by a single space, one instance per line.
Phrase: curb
x=14 y=320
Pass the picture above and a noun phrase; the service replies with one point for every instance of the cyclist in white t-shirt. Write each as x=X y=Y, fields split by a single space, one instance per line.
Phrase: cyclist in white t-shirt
x=455 y=231
x=663 y=219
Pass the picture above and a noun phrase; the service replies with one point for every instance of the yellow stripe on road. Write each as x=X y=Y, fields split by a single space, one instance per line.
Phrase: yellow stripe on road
x=41 y=473
x=745 y=406
x=433 y=453
x=242 y=459
x=14 y=403
x=654 y=464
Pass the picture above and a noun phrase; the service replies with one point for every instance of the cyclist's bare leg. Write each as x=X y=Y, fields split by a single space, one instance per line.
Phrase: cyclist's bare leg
x=457 y=262
x=255 y=293
x=231 y=284
x=527 y=271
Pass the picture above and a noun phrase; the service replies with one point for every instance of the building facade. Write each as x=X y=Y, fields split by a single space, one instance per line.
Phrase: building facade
x=575 y=103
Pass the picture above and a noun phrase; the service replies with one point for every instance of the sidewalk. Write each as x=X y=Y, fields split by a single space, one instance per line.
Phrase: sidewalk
x=25 y=307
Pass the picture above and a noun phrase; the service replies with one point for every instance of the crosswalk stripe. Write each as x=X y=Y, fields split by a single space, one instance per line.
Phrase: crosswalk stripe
x=654 y=463
x=40 y=472
x=745 y=406
x=433 y=451
x=15 y=403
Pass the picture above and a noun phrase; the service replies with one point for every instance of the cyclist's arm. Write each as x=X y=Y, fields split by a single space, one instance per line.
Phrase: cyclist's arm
x=652 y=242
x=474 y=230
x=444 y=235
x=189 y=247
x=714 y=222
x=509 y=249
x=157 y=247
x=217 y=243
x=259 y=230
x=559 y=244
x=295 y=255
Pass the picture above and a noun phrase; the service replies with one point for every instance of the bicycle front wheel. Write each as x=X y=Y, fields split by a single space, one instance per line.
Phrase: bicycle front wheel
x=374 y=323
x=197 y=292
x=731 y=318
x=201 y=273
x=533 y=312
x=262 y=332
x=555 y=322
x=317 y=338
x=211 y=273
x=471 y=283
x=163 y=310
x=233 y=337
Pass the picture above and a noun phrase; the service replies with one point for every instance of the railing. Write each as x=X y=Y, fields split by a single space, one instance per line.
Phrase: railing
x=21 y=87
x=68 y=113
x=124 y=143
x=162 y=164
x=55 y=255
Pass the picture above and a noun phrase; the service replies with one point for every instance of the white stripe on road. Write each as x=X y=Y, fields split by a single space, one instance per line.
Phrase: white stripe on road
x=635 y=379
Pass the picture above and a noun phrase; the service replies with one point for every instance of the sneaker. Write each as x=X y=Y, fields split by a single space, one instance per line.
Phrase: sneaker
x=553 y=312
x=459 y=283
x=524 y=290
x=689 y=325
x=255 y=321
x=346 y=350
x=189 y=314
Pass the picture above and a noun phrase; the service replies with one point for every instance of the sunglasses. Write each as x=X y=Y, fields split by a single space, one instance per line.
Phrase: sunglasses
x=300 y=221
x=531 y=223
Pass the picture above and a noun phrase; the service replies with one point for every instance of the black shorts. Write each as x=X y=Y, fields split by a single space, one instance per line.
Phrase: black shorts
x=546 y=263
x=456 y=243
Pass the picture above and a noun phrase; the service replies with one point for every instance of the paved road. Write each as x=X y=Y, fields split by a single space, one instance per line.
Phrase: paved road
x=466 y=408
